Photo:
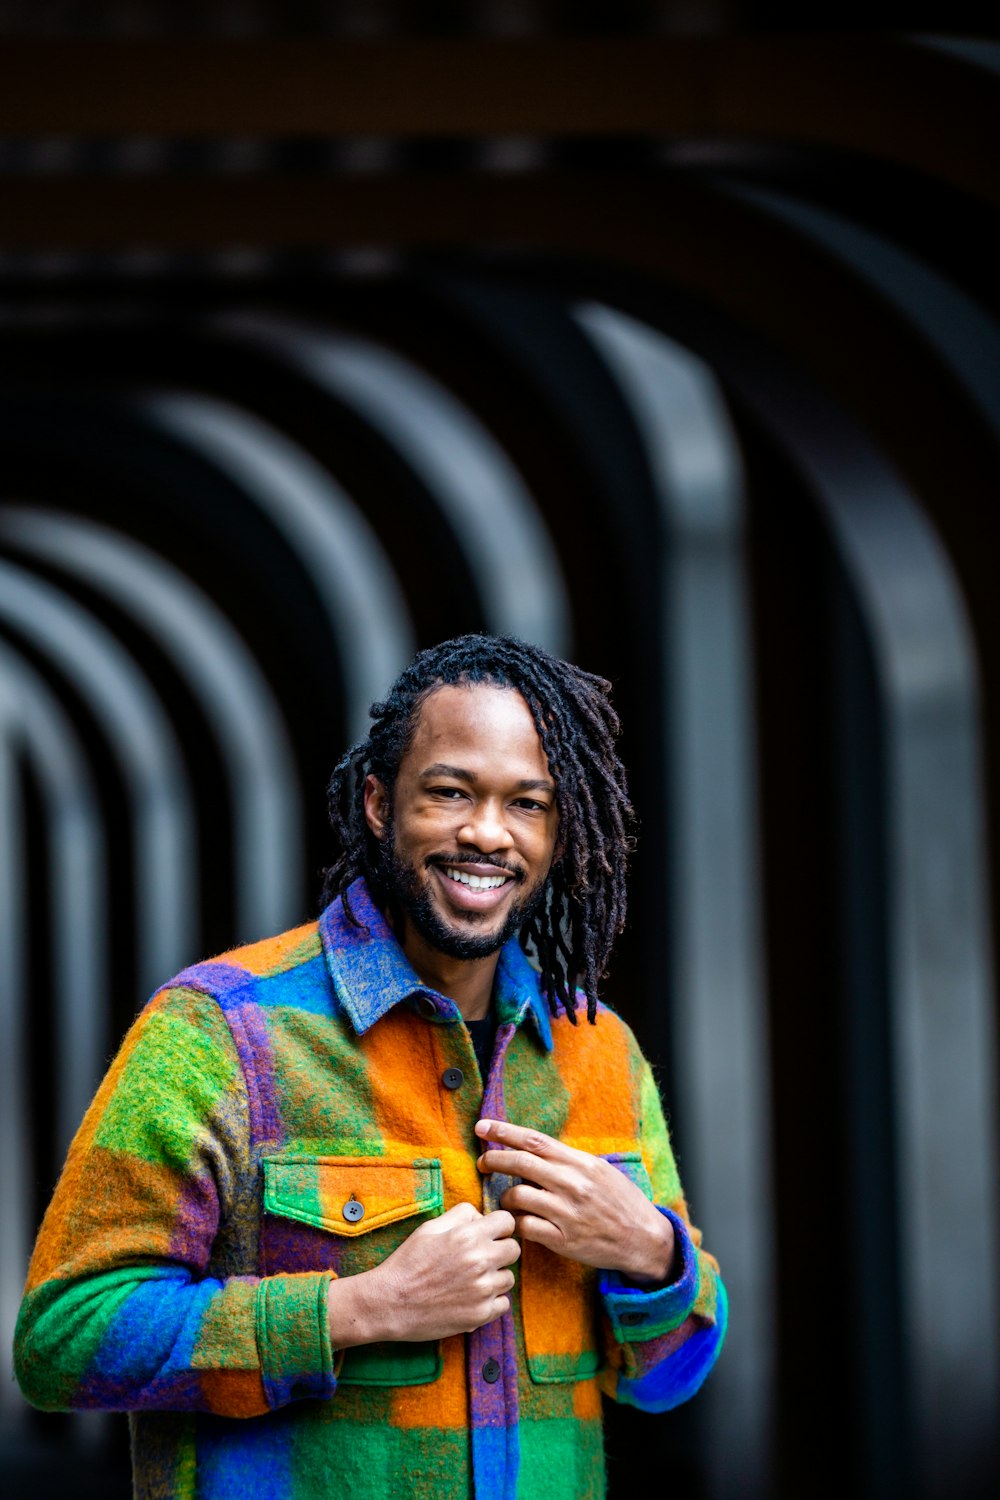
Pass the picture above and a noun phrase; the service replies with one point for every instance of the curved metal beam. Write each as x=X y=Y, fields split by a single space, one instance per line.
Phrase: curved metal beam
x=720 y=1024
x=141 y=738
x=33 y=724
x=235 y=697
x=960 y=330
x=941 y=963
x=335 y=545
x=480 y=492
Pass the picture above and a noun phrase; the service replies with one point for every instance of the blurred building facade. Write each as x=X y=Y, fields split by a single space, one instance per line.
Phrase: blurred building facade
x=658 y=337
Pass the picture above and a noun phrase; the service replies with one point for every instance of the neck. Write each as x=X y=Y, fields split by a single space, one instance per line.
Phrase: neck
x=467 y=981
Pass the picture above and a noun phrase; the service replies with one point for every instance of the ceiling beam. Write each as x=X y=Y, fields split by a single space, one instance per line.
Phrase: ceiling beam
x=883 y=96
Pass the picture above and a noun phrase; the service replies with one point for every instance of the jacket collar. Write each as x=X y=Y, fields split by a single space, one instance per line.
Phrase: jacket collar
x=371 y=973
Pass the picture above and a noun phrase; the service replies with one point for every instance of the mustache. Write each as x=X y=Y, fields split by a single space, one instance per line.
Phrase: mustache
x=456 y=860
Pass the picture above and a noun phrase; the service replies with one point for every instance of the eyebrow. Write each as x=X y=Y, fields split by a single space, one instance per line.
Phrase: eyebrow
x=459 y=773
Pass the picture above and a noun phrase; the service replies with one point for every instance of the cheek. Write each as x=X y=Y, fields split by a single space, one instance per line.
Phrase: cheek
x=539 y=850
x=425 y=826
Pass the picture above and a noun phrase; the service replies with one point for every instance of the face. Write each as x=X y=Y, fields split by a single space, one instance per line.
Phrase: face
x=470 y=837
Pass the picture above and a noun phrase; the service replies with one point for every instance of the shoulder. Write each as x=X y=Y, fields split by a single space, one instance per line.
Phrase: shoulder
x=274 y=955
x=244 y=974
x=605 y=1049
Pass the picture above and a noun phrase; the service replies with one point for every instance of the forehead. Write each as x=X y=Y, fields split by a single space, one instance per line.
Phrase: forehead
x=480 y=722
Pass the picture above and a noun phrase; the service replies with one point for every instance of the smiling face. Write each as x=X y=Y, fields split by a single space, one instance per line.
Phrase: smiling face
x=470 y=836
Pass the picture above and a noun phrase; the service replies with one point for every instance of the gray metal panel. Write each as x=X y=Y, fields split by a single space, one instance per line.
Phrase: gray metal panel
x=941 y=959
x=944 y=996
x=722 y=1075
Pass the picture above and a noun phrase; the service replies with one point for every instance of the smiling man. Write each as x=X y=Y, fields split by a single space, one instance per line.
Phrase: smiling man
x=369 y=1208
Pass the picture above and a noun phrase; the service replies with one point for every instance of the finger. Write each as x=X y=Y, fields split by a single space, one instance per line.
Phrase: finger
x=509 y=1252
x=535 y=1141
x=542 y=1232
x=500 y=1223
x=548 y=1174
x=523 y=1199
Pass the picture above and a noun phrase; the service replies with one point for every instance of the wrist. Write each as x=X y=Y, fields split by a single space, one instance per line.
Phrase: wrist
x=356 y=1313
x=654 y=1263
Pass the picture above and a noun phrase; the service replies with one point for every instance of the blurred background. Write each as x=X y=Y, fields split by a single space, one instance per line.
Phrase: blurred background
x=665 y=335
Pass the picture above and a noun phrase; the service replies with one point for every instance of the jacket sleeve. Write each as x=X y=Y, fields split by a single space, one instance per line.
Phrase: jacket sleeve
x=141 y=1293
x=662 y=1341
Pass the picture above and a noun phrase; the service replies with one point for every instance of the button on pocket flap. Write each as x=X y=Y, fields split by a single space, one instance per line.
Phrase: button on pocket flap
x=350 y=1195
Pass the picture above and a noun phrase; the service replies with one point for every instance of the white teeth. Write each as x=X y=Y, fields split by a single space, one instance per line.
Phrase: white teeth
x=476 y=882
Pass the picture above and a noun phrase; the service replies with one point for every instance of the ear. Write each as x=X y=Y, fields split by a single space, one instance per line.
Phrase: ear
x=376 y=806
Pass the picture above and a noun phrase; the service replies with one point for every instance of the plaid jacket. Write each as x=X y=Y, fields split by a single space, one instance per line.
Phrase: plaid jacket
x=181 y=1269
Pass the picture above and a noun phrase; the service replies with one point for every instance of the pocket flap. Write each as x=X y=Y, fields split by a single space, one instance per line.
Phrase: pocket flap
x=632 y=1166
x=349 y=1195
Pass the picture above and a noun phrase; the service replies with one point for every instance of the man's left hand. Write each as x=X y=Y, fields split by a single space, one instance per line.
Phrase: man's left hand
x=577 y=1204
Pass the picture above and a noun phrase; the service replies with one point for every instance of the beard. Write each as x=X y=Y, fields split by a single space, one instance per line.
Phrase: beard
x=409 y=895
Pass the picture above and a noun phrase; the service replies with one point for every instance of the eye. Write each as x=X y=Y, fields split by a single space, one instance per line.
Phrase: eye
x=531 y=804
x=449 y=793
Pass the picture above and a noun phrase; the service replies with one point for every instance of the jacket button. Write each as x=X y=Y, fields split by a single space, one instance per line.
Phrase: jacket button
x=631 y=1319
x=353 y=1210
x=453 y=1078
x=491 y=1371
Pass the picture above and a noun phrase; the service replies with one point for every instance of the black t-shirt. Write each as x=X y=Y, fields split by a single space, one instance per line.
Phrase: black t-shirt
x=483 y=1034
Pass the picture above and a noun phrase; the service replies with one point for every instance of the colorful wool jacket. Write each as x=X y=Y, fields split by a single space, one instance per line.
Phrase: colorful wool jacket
x=182 y=1267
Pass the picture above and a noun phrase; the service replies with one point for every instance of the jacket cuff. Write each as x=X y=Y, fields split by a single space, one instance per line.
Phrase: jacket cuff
x=293 y=1337
x=637 y=1313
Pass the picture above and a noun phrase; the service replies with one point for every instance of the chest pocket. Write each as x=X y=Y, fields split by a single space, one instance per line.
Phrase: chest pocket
x=559 y=1302
x=347 y=1214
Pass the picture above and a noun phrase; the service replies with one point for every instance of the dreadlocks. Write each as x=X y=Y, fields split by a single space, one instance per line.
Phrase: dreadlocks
x=583 y=907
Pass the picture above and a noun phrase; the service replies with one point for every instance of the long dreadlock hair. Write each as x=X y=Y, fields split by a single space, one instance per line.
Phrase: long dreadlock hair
x=583 y=908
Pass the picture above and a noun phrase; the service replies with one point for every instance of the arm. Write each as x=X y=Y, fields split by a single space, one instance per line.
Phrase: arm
x=662 y=1340
x=663 y=1302
x=125 y=1306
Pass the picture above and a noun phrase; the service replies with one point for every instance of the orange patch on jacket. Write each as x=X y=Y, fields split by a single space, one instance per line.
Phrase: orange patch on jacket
x=443 y=1402
x=396 y=1052
x=273 y=954
x=558 y=1298
x=586 y=1400
x=595 y=1064
x=234 y=1393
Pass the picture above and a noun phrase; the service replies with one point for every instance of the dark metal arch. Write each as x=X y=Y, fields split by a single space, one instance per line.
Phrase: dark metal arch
x=237 y=702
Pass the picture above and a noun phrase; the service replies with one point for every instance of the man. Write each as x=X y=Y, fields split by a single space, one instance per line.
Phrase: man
x=372 y=1186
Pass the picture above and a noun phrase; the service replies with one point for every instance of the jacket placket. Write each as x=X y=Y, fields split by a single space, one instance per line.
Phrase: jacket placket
x=491 y=1350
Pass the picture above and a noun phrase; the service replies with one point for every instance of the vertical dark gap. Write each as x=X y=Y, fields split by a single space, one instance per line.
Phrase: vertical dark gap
x=816 y=1441
x=869 y=1219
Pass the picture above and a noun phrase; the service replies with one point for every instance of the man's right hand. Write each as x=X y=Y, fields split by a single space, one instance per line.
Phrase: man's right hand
x=450 y=1275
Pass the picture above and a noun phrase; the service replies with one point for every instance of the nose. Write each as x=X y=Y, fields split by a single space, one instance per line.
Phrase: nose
x=485 y=828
